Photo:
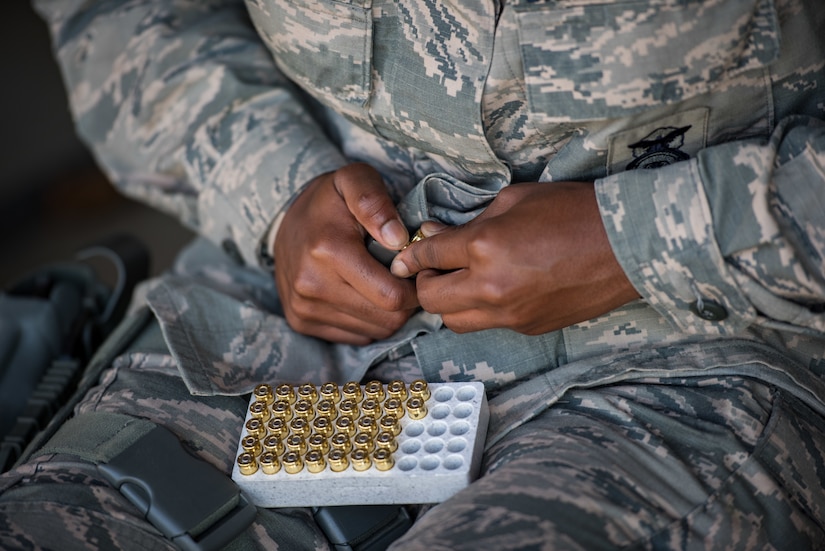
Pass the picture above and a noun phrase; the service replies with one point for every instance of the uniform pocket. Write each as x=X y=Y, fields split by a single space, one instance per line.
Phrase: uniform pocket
x=323 y=45
x=598 y=59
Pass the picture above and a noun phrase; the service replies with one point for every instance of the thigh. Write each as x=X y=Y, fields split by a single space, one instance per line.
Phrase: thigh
x=700 y=465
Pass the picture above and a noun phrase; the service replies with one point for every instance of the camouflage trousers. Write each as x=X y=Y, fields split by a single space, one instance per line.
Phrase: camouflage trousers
x=702 y=463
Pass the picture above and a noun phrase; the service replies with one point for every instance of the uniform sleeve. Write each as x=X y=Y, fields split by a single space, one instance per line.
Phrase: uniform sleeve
x=733 y=237
x=183 y=107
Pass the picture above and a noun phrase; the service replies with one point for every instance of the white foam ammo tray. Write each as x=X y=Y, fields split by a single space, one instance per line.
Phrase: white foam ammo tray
x=371 y=444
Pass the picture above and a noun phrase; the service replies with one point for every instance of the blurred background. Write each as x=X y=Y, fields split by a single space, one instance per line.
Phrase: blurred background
x=53 y=199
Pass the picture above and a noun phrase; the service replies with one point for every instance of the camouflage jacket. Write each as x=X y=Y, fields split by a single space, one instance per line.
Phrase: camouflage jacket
x=699 y=121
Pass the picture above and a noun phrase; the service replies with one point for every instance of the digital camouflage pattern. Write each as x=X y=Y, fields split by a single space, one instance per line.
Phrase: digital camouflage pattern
x=691 y=419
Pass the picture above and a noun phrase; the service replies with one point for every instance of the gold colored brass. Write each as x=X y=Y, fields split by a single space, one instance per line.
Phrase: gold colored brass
x=345 y=425
x=420 y=389
x=390 y=424
x=329 y=391
x=338 y=460
x=360 y=459
x=416 y=408
x=308 y=392
x=255 y=427
x=282 y=410
x=374 y=390
x=274 y=444
x=318 y=442
x=315 y=461
x=397 y=389
x=386 y=441
x=277 y=427
x=286 y=393
x=270 y=463
x=263 y=393
x=322 y=426
x=296 y=443
x=363 y=441
x=341 y=441
x=303 y=409
x=251 y=444
x=352 y=391
x=247 y=464
x=292 y=462
x=383 y=459
x=260 y=410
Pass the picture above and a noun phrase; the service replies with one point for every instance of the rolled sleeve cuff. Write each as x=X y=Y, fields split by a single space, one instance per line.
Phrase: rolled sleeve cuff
x=660 y=226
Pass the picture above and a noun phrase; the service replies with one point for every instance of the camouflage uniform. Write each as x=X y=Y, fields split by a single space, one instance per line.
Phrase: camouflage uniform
x=690 y=419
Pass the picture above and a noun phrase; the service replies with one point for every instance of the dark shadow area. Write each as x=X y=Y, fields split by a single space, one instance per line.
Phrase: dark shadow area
x=53 y=198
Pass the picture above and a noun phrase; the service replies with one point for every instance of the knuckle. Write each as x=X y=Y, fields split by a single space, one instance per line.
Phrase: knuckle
x=391 y=298
x=306 y=285
x=493 y=293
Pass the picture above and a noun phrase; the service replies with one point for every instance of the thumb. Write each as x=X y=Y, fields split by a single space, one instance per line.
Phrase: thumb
x=366 y=196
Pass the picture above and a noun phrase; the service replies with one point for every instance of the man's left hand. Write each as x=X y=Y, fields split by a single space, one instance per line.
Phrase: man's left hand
x=537 y=259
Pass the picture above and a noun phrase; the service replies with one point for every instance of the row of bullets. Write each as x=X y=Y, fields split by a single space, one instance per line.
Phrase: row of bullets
x=314 y=427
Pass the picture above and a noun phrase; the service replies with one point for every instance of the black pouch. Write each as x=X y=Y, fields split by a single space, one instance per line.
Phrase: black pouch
x=51 y=322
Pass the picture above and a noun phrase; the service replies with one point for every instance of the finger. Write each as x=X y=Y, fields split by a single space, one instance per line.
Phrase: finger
x=445 y=293
x=367 y=198
x=319 y=319
x=443 y=251
x=372 y=281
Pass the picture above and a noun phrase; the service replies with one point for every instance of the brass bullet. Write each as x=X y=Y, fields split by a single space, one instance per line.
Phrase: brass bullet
x=387 y=441
x=318 y=442
x=308 y=392
x=360 y=460
x=315 y=461
x=282 y=410
x=300 y=426
x=394 y=407
x=351 y=391
x=322 y=426
x=390 y=424
x=383 y=459
x=341 y=441
x=374 y=390
x=348 y=408
x=345 y=425
x=251 y=444
x=273 y=444
x=367 y=425
x=292 y=462
x=285 y=392
x=363 y=441
x=270 y=463
x=416 y=408
x=371 y=407
x=304 y=409
x=247 y=464
x=420 y=389
x=338 y=460
x=329 y=391
x=263 y=393
x=397 y=389
x=297 y=444
x=277 y=427
x=326 y=408
x=259 y=410
x=255 y=427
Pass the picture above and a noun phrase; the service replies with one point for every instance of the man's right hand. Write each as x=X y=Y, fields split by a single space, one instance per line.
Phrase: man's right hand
x=330 y=285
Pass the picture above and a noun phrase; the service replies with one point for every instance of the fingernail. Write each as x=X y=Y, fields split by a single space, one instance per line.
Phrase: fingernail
x=399 y=269
x=431 y=227
x=394 y=234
